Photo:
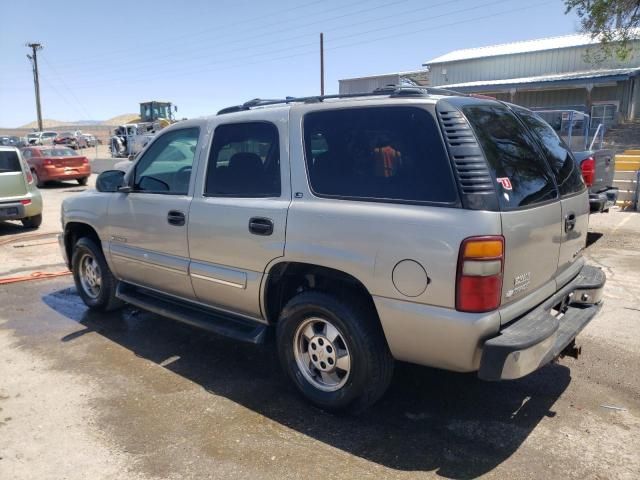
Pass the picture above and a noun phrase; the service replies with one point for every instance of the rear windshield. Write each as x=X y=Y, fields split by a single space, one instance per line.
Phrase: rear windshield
x=384 y=154
x=521 y=173
x=9 y=162
x=57 y=152
x=568 y=175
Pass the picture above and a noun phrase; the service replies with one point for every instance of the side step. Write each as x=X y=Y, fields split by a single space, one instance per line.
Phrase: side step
x=214 y=321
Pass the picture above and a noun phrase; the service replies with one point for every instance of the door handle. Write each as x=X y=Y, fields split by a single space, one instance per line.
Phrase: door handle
x=176 y=217
x=261 y=226
x=569 y=222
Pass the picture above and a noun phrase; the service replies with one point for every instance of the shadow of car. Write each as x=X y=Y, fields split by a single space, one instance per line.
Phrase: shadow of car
x=429 y=420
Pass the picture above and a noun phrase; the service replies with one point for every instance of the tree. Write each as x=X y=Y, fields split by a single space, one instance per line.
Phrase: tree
x=616 y=23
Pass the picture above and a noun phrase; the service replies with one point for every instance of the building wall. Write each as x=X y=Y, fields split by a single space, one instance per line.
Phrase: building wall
x=525 y=65
x=366 y=84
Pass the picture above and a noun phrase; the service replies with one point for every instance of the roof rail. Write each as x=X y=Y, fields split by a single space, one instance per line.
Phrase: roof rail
x=388 y=90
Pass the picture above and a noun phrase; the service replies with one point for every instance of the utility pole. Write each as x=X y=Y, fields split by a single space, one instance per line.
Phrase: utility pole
x=321 y=64
x=36 y=82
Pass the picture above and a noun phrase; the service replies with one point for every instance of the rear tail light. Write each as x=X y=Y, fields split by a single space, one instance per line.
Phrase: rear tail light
x=588 y=167
x=479 y=279
x=85 y=160
x=29 y=176
x=25 y=202
x=47 y=161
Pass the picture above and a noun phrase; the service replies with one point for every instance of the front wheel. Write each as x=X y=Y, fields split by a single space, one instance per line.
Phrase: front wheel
x=333 y=351
x=95 y=283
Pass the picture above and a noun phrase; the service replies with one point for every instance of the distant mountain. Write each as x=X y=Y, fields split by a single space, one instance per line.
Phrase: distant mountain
x=48 y=123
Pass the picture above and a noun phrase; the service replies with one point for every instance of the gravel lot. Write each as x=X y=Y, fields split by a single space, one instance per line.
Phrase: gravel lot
x=132 y=395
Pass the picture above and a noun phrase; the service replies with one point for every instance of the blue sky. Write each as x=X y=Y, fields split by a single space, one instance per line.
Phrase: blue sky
x=100 y=59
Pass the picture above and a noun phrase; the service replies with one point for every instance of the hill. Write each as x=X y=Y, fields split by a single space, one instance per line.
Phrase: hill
x=50 y=124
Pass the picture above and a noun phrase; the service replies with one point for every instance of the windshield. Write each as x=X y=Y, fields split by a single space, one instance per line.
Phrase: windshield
x=58 y=152
x=32 y=135
x=49 y=134
x=66 y=134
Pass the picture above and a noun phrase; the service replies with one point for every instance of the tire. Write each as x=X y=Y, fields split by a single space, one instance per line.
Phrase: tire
x=358 y=333
x=32 y=222
x=97 y=288
x=82 y=181
x=36 y=179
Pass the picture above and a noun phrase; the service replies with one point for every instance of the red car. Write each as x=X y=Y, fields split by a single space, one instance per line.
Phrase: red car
x=56 y=163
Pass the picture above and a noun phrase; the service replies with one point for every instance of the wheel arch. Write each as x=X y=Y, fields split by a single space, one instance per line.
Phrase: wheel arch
x=73 y=231
x=286 y=279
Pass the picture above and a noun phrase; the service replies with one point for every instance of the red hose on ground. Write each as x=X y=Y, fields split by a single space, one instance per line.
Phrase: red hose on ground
x=33 y=276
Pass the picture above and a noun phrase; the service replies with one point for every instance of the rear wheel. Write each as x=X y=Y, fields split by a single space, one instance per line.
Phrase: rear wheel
x=333 y=351
x=32 y=222
x=83 y=180
x=36 y=179
x=94 y=281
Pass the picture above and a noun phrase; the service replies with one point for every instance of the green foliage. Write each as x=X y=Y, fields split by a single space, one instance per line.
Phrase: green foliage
x=616 y=23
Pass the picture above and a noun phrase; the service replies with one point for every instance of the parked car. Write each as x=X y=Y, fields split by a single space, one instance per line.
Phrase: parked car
x=73 y=140
x=598 y=169
x=46 y=138
x=57 y=163
x=33 y=138
x=41 y=138
x=435 y=229
x=19 y=197
x=90 y=139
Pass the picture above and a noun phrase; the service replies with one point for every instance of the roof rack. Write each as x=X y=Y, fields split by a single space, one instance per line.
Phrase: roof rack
x=392 y=91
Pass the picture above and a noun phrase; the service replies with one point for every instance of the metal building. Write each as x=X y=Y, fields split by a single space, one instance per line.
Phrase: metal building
x=553 y=73
x=370 y=83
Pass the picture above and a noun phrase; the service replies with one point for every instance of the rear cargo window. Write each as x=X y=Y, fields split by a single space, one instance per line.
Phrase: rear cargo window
x=521 y=173
x=386 y=154
x=9 y=162
x=568 y=175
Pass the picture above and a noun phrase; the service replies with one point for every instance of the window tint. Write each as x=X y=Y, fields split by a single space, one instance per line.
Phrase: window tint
x=58 y=152
x=392 y=153
x=26 y=153
x=521 y=173
x=568 y=175
x=166 y=165
x=9 y=162
x=244 y=161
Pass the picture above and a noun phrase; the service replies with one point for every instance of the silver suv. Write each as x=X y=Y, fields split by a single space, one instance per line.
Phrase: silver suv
x=408 y=224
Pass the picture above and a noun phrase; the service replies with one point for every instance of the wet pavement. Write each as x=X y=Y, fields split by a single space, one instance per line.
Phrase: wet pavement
x=132 y=395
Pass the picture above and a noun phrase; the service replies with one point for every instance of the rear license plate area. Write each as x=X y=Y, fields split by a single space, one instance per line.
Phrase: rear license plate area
x=9 y=211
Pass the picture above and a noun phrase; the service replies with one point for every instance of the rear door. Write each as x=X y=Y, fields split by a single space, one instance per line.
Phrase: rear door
x=12 y=178
x=528 y=197
x=573 y=192
x=238 y=216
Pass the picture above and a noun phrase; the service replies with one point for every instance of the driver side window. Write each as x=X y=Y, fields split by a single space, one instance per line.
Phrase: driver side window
x=166 y=166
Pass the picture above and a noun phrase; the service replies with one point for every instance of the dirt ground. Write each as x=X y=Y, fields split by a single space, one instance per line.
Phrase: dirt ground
x=132 y=395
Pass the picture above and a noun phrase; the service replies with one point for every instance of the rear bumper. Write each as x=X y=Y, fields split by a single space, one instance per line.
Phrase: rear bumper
x=65 y=173
x=15 y=210
x=598 y=202
x=539 y=337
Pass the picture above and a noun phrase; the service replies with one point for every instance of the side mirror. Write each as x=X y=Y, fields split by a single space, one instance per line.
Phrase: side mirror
x=110 y=181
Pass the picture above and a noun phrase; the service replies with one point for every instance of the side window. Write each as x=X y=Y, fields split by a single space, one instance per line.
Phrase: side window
x=26 y=153
x=391 y=153
x=521 y=173
x=244 y=161
x=568 y=176
x=166 y=166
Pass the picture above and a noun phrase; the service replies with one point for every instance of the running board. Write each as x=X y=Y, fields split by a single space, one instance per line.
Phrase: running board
x=211 y=320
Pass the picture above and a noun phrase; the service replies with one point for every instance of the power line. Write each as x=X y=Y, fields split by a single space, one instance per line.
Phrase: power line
x=347 y=45
x=80 y=104
x=331 y=40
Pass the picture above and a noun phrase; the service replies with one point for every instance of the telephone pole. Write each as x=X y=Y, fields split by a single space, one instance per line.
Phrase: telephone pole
x=36 y=82
x=321 y=64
